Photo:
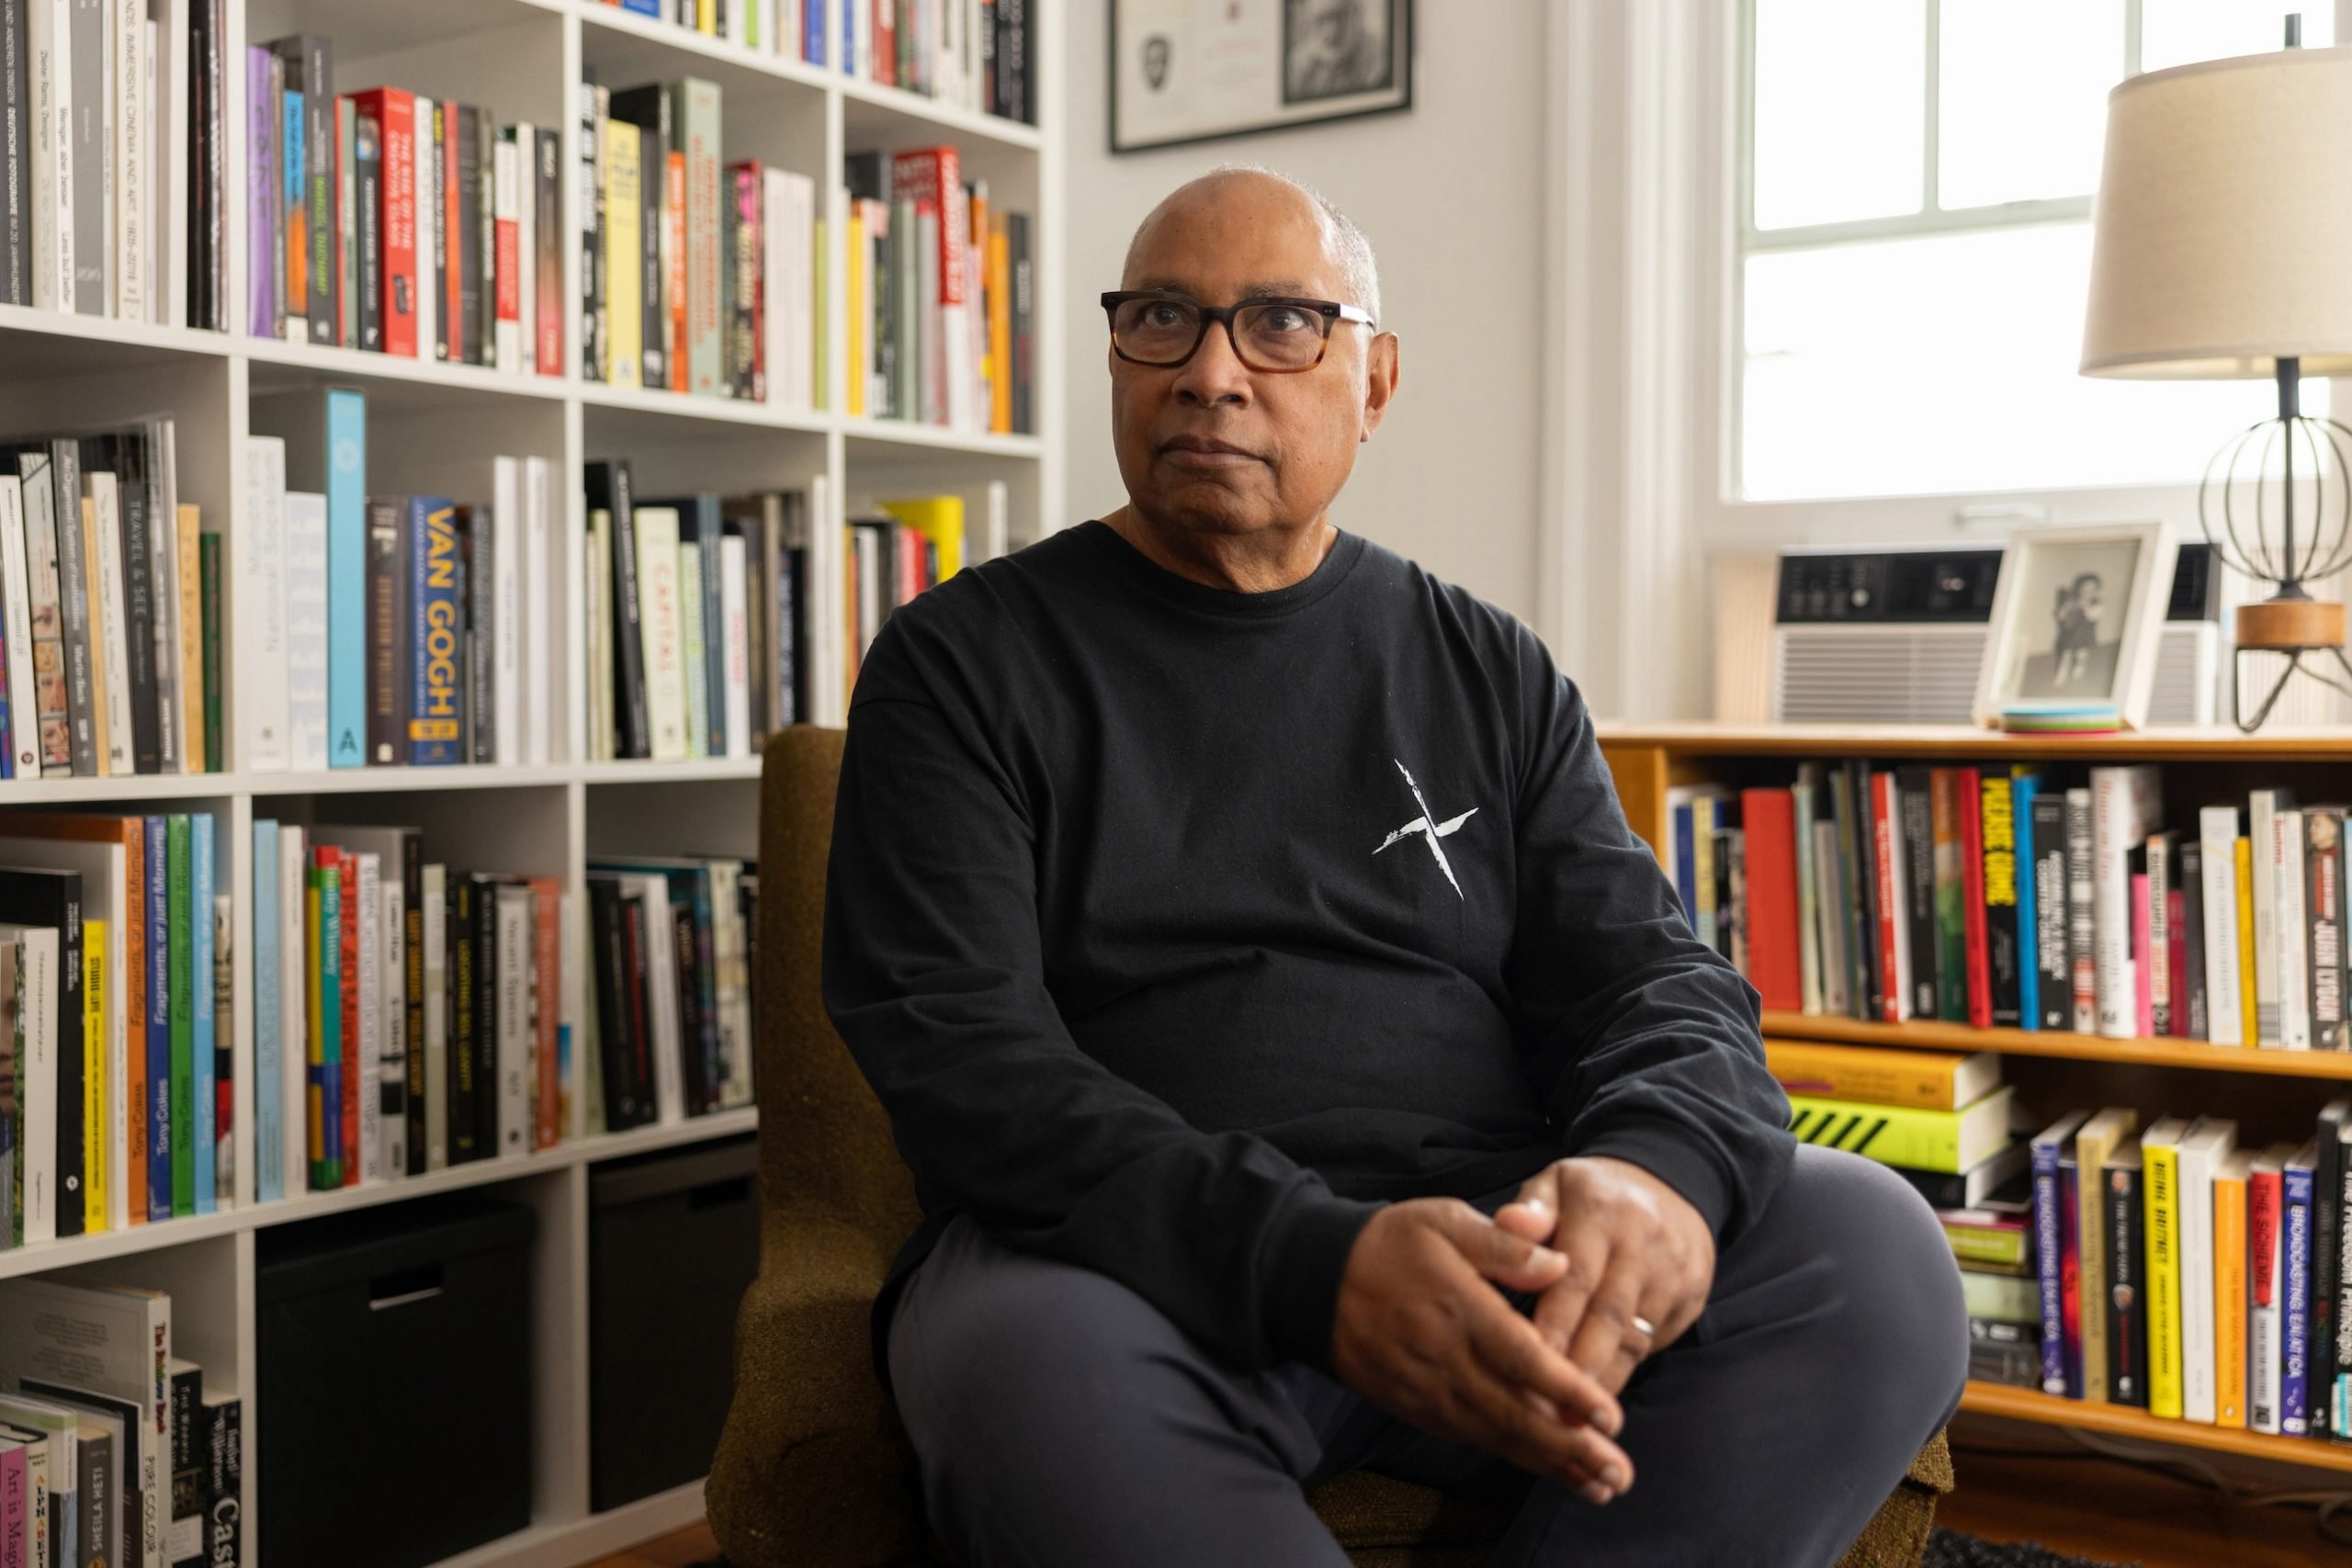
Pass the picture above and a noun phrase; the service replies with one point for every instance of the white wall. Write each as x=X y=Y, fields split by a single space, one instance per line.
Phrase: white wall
x=1450 y=192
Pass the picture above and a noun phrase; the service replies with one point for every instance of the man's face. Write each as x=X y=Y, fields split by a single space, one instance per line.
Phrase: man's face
x=1212 y=446
x=2092 y=599
x=1335 y=23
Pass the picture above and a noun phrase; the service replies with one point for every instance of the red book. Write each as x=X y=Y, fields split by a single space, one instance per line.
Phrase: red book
x=885 y=42
x=347 y=872
x=1971 y=802
x=506 y=301
x=546 y=917
x=394 y=112
x=2144 y=1000
x=1768 y=816
x=2261 y=1203
x=2176 y=917
x=673 y=266
x=1894 y=978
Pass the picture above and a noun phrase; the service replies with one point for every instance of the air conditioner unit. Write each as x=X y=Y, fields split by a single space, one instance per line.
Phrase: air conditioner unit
x=1897 y=637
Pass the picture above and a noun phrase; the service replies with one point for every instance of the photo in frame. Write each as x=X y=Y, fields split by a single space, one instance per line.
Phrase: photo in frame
x=2077 y=616
x=1183 y=71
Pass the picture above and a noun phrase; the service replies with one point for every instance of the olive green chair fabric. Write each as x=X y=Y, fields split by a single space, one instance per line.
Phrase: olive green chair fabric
x=813 y=1471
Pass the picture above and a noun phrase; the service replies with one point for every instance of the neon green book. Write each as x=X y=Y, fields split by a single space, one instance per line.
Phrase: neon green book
x=1945 y=1140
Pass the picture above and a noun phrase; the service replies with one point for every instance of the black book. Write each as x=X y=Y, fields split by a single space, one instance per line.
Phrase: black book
x=433 y=140
x=1915 y=841
x=792 y=669
x=466 y=336
x=310 y=70
x=1852 y=793
x=747 y=899
x=481 y=618
x=16 y=158
x=207 y=192
x=2324 y=915
x=2189 y=861
x=2053 y=968
x=388 y=630
x=465 y=1083
x=126 y=458
x=2327 y=1184
x=485 y=1010
x=36 y=896
x=412 y=973
x=615 y=1046
x=368 y=166
x=2125 y=1222
x=607 y=488
x=588 y=108
x=2334 y=1354
x=2004 y=947
x=1017 y=94
x=485 y=215
x=224 y=1452
x=693 y=1055
x=1024 y=320
x=75 y=574
x=638 y=1000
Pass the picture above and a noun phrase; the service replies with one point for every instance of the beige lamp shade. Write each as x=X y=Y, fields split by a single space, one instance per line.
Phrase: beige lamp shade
x=2222 y=236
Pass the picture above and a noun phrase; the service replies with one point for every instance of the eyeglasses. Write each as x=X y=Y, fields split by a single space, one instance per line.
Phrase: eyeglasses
x=1164 y=329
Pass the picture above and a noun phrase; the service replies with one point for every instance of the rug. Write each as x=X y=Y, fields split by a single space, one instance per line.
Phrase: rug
x=1950 y=1549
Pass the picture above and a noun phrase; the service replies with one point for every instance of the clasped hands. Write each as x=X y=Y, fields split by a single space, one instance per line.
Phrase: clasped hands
x=1620 y=1265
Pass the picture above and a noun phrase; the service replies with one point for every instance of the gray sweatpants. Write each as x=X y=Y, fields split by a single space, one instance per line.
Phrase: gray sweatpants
x=1059 y=1419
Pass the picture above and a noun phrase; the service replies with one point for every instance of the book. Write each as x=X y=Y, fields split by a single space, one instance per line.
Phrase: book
x=269 y=1039
x=2003 y=909
x=309 y=602
x=2094 y=1142
x=2265 y=1283
x=2229 y=1243
x=2159 y=953
x=2202 y=1148
x=2289 y=924
x=1945 y=1140
x=1890 y=900
x=41 y=899
x=2243 y=860
x=663 y=647
x=2327 y=1228
x=2324 y=915
x=96 y=1342
x=1949 y=847
x=2217 y=840
x=2043 y=818
x=2082 y=924
x=1768 y=821
x=2161 y=1186
x=2262 y=806
x=2298 y=1215
x=1931 y=1080
x=2126 y=804
x=2125 y=1232
x=2192 y=1014
x=2049 y=1252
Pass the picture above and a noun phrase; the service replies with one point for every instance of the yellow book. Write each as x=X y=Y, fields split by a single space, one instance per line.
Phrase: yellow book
x=2229 y=1290
x=314 y=1046
x=707 y=17
x=861 y=325
x=1931 y=1080
x=191 y=533
x=95 y=1089
x=1946 y=1141
x=1000 y=288
x=624 y=252
x=2093 y=1144
x=940 y=519
x=2161 y=1186
x=2246 y=939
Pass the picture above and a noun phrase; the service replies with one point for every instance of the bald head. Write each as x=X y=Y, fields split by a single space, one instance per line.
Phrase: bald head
x=1250 y=192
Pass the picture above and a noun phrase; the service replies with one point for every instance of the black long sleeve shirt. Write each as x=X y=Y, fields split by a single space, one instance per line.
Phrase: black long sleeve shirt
x=1176 y=929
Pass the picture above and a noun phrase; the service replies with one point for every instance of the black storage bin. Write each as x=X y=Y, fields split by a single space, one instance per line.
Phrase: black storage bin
x=673 y=1242
x=394 y=1395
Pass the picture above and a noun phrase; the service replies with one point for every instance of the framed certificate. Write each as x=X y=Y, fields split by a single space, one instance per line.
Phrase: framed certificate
x=1195 y=70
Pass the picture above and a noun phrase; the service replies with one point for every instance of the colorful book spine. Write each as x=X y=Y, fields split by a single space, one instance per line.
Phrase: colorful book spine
x=346 y=470
x=203 y=1099
x=2160 y=1180
x=327 y=1017
x=2049 y=1244
x=2126 y=1303
x=162 y=1141
x=436 y=610
x=2265 y=1289
x=2295 y=1304
x=2070 y=1267
x=2242 y=865
x=352 y=1056
x=182 y=937
x=2230 y=1383
x=2003 y=904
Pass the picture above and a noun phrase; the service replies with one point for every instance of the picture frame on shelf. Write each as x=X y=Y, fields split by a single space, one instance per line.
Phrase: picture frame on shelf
x=2078 y=615
x=1181 y=72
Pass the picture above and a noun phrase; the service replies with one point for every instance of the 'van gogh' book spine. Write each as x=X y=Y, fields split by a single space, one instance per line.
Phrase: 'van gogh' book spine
x=437 y=642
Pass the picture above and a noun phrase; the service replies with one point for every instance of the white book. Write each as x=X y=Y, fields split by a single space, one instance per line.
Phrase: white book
x=537 y=631
x=369 y=887
x=506 y=593
x=527 y=247
x=2207 y=1143
x=506 y=174
x=24 y=705
x=49 y=27
x=517 y=1131
x=691 y=634
x=37 y=1000
x=126 y=39
x=2217 y=837
x=660 y=995
x=102 y=515
x=294 y=1007
x=392 y=1064
x=2264 y=1345
x=432 y=203
x=862 y=42
x=997 y=532
x=735 y=627
x=305 y=631
x=171 y=113
x=662 y=630
x=789 y=211
x=435 y=883
x=2126 y=805
x=1837 y=992
x=2285 y=853
x=65 y=1340
x=2261 y=805
x=264 y=694
x=104 y=869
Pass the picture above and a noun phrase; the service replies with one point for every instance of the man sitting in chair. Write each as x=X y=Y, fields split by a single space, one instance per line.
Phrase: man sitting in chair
x=1302 y=1065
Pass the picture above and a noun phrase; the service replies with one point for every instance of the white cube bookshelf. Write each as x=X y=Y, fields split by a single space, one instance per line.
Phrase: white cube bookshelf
x=433 y=428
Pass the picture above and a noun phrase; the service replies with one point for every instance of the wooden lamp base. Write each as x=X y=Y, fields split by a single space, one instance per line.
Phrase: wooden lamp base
x=2300 y=629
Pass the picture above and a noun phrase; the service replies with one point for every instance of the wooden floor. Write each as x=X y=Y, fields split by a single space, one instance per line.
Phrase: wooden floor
x=2110 y=1513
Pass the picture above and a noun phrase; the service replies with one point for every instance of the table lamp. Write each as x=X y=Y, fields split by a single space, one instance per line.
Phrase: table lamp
x=2222 y=248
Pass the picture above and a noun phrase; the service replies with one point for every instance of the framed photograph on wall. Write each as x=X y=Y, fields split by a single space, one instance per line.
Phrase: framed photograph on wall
x=1195 y=70
x=2077 y=613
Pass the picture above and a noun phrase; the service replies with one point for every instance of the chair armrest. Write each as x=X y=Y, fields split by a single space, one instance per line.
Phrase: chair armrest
x=812 y=1469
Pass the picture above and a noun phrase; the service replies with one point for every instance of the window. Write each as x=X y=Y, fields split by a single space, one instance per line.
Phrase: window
x=1913 y=240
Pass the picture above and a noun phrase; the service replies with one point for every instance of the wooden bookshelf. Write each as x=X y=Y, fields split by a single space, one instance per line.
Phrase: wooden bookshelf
x=434 y=425
x=2203 y=766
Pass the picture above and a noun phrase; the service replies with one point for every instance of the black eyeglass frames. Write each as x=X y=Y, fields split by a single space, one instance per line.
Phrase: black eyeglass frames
x=1280 y=335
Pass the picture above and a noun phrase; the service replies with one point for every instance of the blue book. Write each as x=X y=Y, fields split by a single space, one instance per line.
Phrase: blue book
x=643 y=7
x=1686 y=865
x=328 y=1075
x=2049 y=1250
x=269 y=1091
x=346 y=490
x=849 y=63
x=812 y=42
x=2070 y=1197
x=293 y=197
x=2295 y=1299
x=159 y=1022
x=2022 y=789
x=437 y=632
x=204 y=1132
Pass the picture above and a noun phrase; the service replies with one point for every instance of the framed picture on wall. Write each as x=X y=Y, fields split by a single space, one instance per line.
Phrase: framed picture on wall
x=1195 y=70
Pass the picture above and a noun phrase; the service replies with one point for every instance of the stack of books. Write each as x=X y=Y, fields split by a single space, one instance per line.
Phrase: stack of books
x=940 y=296
x=970 y=55
x=672 y=949
x=393 y=222
x=116 y=1045
x=2014 y=897
x=696 y=274
x=109 y=611
x=111 y=199
x=392 y=629
x=112 y=1450
x=2181 y=1274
